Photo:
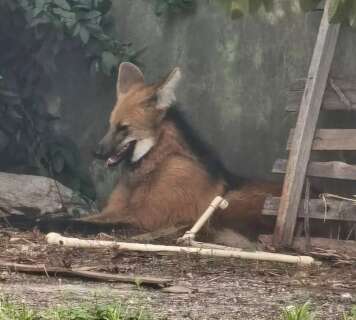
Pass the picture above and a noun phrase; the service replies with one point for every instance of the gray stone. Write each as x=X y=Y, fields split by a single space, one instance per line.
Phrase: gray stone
x=36 y=197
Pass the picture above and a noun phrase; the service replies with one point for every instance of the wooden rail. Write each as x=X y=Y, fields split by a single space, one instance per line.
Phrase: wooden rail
x=332 y=209
x=328 y=169
x=330 y=139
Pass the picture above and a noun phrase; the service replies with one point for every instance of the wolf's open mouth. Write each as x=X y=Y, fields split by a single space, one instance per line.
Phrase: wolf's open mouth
x=120 y=155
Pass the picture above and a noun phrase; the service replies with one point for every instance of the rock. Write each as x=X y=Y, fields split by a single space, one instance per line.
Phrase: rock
x=4 y=276
x=346 y=296
x=39 y=197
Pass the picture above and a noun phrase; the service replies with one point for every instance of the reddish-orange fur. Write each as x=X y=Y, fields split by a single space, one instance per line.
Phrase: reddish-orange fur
x=169 y=185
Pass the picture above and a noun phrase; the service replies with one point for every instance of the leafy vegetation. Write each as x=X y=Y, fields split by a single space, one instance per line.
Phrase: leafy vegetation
x=122 y=311
x=303 y=312
x=118 y=311
x=34 y=35
x=342 y=11
x=81 y=19
x=350 y=315
x=299 y=312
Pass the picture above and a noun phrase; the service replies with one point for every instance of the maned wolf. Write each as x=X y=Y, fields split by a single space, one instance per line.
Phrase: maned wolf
x=164 y=182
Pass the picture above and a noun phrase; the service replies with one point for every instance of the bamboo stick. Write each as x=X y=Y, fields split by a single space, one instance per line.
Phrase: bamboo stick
x=189 y=236
x=55 y=238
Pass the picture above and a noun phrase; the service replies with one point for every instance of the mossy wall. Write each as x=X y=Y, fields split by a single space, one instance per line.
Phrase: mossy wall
x=236 y=78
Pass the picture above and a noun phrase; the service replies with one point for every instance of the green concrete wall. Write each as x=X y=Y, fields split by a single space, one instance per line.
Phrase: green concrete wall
x=236 y=78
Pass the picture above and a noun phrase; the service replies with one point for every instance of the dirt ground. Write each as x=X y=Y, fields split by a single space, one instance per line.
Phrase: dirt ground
x=210 y=288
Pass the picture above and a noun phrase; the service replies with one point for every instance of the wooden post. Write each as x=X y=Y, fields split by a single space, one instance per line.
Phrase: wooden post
x=305 y=129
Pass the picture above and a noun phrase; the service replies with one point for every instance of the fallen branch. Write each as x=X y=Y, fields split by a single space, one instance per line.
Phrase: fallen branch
x=55 y=238
x=99 y=276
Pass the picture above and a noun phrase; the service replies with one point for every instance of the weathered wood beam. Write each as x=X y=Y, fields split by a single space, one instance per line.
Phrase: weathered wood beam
x=335 y=209
x=330 y=139
x=304 y=133
x=340 y=94
x=329 y=169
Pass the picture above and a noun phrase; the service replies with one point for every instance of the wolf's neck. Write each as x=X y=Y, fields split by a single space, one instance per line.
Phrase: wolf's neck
x=169 y=142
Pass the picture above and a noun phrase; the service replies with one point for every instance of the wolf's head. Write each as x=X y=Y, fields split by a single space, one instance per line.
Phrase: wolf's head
x=137 y=114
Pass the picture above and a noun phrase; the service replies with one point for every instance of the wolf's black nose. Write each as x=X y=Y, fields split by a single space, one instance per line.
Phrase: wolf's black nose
x=99 y=151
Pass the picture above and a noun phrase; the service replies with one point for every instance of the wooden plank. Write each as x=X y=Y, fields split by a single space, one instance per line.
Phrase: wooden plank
x=330 y=139
x=336 y=209
x=306 y=124
x=329 y=169
x=340 y=94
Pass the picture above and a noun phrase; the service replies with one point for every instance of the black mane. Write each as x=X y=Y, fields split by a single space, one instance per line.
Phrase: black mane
x=202 y=150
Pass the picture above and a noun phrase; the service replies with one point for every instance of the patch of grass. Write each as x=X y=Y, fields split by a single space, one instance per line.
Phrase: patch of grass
x=9 y=311
x=298 y=312
x=350 y=315
x=117 y=311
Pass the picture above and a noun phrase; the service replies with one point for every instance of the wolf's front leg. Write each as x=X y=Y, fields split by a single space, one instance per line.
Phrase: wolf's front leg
x=116 y=210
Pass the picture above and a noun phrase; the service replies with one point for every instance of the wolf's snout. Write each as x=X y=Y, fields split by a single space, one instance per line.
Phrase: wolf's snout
x=100 y=151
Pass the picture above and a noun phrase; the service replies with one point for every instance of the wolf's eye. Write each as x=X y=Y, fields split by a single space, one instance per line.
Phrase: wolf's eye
x=121 y=127
x=151 y=101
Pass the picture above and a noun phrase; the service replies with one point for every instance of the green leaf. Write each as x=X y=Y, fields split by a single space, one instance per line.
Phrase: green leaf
x=94 y=28
x=109 y=61
x=40 y=3
x=84 y=34
x=37 y=11
x=42 y=19
x=308 y=5
x=239 y=8
x=76 y=30
x=63 y=13
x=92 y=14
x=81 y=6
x=62 y=4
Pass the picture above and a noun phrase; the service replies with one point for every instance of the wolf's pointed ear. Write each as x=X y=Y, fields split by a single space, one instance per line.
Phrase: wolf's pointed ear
x=166 y=91
x=129 y=75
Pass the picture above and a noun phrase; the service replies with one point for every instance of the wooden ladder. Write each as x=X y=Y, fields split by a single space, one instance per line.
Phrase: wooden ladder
x=318 y=93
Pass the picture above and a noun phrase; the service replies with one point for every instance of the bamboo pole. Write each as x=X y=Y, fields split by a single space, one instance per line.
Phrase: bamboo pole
x=189 y=236
x=55 y=238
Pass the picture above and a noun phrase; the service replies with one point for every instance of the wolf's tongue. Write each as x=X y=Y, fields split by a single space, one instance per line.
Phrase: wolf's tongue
x=116 y=158
x=113 y=160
